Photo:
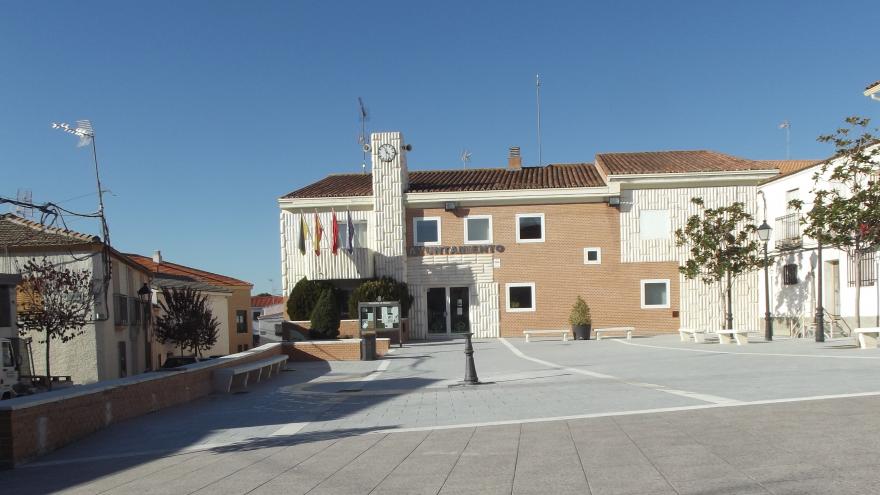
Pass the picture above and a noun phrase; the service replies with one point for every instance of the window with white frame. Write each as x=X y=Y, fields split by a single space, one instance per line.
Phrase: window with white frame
x=530 y=227
x=592 y=256
x=655 y=293
x=520 y=296
x=478 y=229
x=359 y=239
x=426 y=231
x=654 y=224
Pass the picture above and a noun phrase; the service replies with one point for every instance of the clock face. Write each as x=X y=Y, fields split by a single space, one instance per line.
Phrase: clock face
x=387 y=152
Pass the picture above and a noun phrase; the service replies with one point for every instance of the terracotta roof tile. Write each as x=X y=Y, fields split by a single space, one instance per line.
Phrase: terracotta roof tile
x=480 y=179
x=19 y=232
x=167 y=269
x=787 y=167
x=263 y=301
x=670 y=162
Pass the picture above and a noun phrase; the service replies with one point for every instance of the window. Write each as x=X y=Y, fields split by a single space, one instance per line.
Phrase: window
x=5 y=306
x=790 y=196
x=654 y=224
x=478 y=229
x=241 y=321
x=869 y=275
x=134 y=310
x=256 y=315
x=790 y=274
x=426 y=231
x=592 y=256
x=655 y=294
x=240 y=348
x=120 y=308
x=8 y=362
x=123 y=360
x=520 y=297
x=360 y=234
x=530 y=227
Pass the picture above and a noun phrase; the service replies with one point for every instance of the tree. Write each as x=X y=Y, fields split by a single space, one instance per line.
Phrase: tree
x=325 y=317
x=186 y=321
x=55 y=301
x=846 y=205
x=303 y=298
x=385 y=288
x=722 y=246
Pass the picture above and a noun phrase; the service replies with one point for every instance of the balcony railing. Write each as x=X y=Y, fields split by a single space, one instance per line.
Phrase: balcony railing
x=788 y=231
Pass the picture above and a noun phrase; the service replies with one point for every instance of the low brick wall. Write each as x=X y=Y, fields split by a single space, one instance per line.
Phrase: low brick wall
x=348 y=329
x=331 y=350
x=34 y=425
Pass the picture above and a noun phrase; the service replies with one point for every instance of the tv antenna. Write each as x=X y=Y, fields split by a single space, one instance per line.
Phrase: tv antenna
x=362 y=137
x=465 y=158
x=538 y=99
x=24 y=196
x=786 y=124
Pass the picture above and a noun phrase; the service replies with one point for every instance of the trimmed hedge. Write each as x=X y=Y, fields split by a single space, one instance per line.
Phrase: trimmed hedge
x=325 y=317
x=304 y=297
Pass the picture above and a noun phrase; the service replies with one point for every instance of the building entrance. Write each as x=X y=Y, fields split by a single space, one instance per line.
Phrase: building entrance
x=448 y=310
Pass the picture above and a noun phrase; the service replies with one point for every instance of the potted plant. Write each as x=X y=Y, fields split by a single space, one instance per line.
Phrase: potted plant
x=580 y=319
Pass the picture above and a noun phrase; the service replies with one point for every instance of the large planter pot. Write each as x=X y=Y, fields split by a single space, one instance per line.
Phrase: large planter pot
x=581 y=332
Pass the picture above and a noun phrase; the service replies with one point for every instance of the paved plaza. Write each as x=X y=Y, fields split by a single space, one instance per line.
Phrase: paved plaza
x=647 y=416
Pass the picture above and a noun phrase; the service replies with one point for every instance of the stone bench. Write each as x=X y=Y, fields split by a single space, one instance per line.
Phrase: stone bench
x=628 y=331
x=867 y=337
x=741 y=337
x=238 y=377
x=686 y=334
x=563 y=332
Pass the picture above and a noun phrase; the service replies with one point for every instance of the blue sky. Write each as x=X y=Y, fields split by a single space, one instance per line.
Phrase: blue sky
x=206 y=112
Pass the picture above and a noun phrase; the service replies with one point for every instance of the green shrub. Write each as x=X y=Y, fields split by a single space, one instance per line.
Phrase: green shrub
x=325 y=317
x=387 y=288
x=580 y=313
x=303 y=297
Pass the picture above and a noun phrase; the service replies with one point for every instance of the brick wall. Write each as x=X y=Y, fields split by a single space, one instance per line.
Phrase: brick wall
x=556 y=267
x=331 y=350
x=34 y=425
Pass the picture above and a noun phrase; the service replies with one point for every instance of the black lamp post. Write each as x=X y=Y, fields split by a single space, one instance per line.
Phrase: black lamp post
x=145 y=295
x=764 y=232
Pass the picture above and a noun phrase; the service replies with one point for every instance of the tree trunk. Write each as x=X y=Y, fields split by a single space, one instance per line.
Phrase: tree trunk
x=858 y=258
x=729 y=302
x=48 y=369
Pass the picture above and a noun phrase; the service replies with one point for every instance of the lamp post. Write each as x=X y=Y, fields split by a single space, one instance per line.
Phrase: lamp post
x=145 y=294
x=820 y=310
x=764 y=232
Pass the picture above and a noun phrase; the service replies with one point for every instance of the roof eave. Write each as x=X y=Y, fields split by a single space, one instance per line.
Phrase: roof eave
x=513 y=196
x=694 y=177
x=296 y=203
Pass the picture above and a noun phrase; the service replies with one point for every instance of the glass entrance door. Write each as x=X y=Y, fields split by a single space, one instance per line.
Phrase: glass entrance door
x=458 y=310
x=437 y=311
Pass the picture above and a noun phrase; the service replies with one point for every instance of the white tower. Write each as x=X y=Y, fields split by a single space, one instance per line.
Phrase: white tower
x=390 y=182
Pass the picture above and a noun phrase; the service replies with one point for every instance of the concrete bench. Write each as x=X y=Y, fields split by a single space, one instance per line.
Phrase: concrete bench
x=867 y=337
x=628 y=331
x=741 y=337
x=563 y=332
x=686 y=334
x=238 y=377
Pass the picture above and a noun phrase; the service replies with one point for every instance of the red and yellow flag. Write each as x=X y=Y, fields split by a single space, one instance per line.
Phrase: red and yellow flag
x=319 y=232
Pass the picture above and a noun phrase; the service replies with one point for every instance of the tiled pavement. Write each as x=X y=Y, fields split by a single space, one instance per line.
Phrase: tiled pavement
x=300 y=434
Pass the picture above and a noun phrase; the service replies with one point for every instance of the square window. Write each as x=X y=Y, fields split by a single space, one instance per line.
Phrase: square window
x=790 y=274
x=426 y=231
x=520 y=297
x=478 y=229
x=654 y=224
x=359 y=239
x=241 y=321
x=592 y=256
x=655 y=294
x=530 y=227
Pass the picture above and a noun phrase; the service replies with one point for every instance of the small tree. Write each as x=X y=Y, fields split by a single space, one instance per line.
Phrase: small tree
x=325 y=317
x=186 y=321
x=722 y=246
x=846 y=206
x=55 y=301
x=385 y=288
x=303 y=297
x=580 y=313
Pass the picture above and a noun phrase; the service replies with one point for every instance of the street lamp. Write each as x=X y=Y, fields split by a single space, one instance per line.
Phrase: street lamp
x=145 y=294
x=764 y=232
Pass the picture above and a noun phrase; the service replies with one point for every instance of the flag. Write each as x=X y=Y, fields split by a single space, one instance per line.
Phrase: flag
x=350 y=234
x=319 y=232
x=303 y=233
x=335 y=243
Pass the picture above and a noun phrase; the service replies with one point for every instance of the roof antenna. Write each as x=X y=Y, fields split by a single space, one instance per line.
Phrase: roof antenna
x=787 y=126
x=465 y=158
x=538 y=98
x=362 y=137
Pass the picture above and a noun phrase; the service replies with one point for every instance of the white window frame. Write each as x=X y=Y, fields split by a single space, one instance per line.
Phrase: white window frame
x=467 y=232
x=656 y=281
x=598 y=256
x=530 y=215
x=667 y=231
x=531 y=285
x=416 y=241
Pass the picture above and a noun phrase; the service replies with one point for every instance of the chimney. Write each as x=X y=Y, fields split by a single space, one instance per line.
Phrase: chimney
x=157 y=257
x=514 y=161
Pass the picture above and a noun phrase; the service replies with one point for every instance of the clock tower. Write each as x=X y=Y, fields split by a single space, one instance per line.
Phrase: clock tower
x=390 y=182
